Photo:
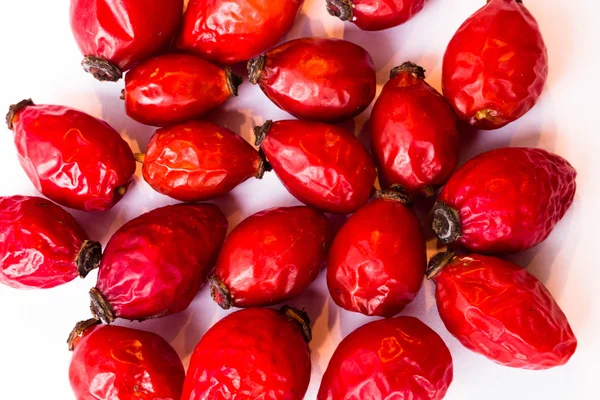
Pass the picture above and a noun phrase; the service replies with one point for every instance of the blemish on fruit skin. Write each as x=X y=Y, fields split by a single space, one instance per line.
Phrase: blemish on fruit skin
x=390 y=349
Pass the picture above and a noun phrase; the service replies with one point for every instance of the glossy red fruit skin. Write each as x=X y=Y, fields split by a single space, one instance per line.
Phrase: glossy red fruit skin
x=198 y=161
x=175 y=88
x=155 y=264
x=124 y=32
x=508 y=200
x=396 y=358
x=72 y=158
x=114 y=362
x=413 y=133
x=230 y=31
x=500 y=310
x=310 y=78
x=375 y=15
x=272 y=256
x=496 y=65
x=256 y=353
x=322 y=165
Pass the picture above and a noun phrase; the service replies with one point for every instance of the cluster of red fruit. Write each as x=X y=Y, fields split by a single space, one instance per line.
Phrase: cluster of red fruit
x=503 y=201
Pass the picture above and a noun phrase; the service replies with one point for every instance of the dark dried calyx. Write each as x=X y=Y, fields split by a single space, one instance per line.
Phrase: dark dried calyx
x=416 y=70
x=301 y=318
x=100 y=307
x=256 y=67
x=14 y=109
x=343 y=9
x=220 y=293
x=438 y=262
x=396 y=193
x=88 y=258
x=260 y=132
x=445 y=223
x=79 y=330
x=233 y=81
x=101 y=69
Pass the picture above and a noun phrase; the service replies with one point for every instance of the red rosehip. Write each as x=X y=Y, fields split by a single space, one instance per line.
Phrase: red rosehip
x=322 y=165
x=71 y=157
x=500 y=310
x=504 y=201
x=375 y=15
x=271 y=257
x=496 y=65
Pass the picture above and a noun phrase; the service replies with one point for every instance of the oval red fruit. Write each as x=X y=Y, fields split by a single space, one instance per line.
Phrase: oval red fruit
x=271 y=257
x=375 y=15
x=42 y=245
x=230 y=31
x=114 y=362
x=115 y=34
x=155 y=264
x=413 y=133
x=175 y=88
x=496 y=65
x=396 y=358
x=71 y=157
x=500 y=310
x=322 y=165
x=198 y=161
x=252 y=354
x=504 y=201
x=320 y=79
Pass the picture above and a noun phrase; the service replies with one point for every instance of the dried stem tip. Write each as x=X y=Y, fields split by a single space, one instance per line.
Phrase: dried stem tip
x=255 y=68
x=438 y=262
x=416 y=70
x=301 y=318
x=343 y=9
x=264 y=165
x=260 y=132
x=396 y=193
x=14 y=109
x=100 y=308
x=101 y=69
x=233 y=81
x=79 y=330
x=219 y=293
x=445 y=223
x=88 y=258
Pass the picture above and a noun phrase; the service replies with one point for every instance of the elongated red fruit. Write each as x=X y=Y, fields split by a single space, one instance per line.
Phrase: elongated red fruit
x=42 y=245
x=375 y=15
x=230 y=31
x=413 y=133
x=155 y=264
x=378 y=258
x=322 y=165
x=496 y=65
x=71 y=157
x=504 y=201
x=271 y=257
x=175 y=88
x=114 y=362
x=500 y=310
x=113 y=35
x=321 y=79
x=198 y=161
x=396 y=358
x=258 y=353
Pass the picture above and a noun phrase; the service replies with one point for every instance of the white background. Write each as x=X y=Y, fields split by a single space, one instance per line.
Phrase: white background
x=40 y=60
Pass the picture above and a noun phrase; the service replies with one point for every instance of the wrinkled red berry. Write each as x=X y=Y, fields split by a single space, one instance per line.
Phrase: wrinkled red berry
x=114 y=362
x=155 y=264
x=413 y=133
x=271 y=257
x=175 y=88
x=396 y=358
x=375 y=15
x=496 y=65
x=113 y=35
x=321 y=79
x=71 y=157
x=258 y=353
x=230 y=31
x=42 y=245
x=322 y=165
x=377 y=261
x=504 y=201
x=500 y=310
x=199 y=161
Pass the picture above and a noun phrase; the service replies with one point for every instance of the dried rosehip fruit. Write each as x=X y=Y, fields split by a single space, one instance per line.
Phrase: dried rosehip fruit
x=175 y=88
x=71 y=157
x=252 y=354
x=42 y=245
x=113 y=35
x=321 y=79
x=500 y=310
x=198 y=161
x=378 y=258
x=396 y=358
x=504 y=201
x=322 y=165
x=413 y=133
x=230 y=31
x=496 y=65
x=375 y=15
x=114 y=362
x=155 y=264
x=271 y=257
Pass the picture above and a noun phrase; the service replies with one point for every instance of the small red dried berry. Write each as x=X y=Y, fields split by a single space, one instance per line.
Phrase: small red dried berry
x=375 y=15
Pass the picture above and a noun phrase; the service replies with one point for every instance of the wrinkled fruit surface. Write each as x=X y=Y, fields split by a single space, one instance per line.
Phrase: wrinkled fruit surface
x=375 y=15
